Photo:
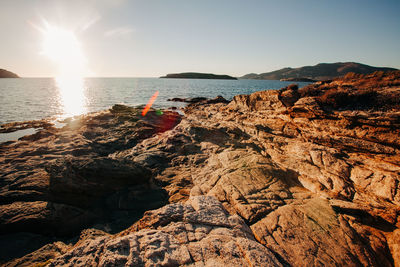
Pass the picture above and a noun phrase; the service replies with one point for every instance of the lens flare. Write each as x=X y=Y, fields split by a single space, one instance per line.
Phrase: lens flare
x=149 y=104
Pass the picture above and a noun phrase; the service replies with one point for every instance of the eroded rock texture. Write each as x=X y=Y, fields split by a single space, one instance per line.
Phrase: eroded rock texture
x=316 y=180
x=199 y=232
x=298 y=177
x=57 y=182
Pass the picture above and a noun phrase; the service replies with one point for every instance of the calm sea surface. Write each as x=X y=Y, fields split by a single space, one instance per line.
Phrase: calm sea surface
x=36 y=98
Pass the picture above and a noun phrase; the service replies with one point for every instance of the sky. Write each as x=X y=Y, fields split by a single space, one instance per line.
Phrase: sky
x=150 y=38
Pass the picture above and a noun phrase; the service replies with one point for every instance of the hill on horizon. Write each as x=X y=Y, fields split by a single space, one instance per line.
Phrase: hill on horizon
x=198 y=75
x=321 y=71
x=7 y=74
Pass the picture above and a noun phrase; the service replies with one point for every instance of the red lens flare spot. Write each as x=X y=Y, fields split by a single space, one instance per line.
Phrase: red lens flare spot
x=149 y=104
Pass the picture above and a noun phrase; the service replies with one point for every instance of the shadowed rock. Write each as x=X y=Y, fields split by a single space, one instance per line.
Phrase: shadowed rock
x=59 y=181
x=203 y=100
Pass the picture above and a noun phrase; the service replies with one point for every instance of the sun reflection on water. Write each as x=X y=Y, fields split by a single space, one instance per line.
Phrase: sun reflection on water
x=64 y=49
x=72 y=95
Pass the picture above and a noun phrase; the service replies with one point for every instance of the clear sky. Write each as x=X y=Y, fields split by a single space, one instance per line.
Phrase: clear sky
x=149 y=38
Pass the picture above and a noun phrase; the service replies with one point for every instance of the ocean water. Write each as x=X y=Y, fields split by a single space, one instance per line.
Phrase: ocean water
x=36 y=98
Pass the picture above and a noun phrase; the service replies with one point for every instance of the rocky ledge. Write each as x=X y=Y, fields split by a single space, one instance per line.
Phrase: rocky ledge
x=294 y=177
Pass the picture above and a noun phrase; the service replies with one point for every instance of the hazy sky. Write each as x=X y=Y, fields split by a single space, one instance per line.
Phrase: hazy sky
x=145 y=38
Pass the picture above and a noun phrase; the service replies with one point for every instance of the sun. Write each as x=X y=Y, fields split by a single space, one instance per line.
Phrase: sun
x=63 y=48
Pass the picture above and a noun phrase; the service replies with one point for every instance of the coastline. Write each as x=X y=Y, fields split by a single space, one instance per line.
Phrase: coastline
x=18 y=104
x=281 y=173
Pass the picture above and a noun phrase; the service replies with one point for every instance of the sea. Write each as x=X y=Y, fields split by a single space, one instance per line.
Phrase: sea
x=26 y=99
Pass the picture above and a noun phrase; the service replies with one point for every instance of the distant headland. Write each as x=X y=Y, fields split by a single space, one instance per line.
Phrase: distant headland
x=7 y=74
x=196 y=75
x=298 y=80
x=322 y=71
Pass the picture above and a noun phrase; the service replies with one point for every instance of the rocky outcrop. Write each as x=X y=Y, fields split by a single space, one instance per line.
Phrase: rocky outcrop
x=204 y=100
x=42 y=256
x=301 y=171
x=59 y=181
x=294 y=177
x=7 y=74
x=197 y=233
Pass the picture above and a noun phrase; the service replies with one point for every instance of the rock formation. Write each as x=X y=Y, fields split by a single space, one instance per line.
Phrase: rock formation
x=59 y=181
x=199 y=231
x=293 y=177
x=204 y=100
x=7 y=74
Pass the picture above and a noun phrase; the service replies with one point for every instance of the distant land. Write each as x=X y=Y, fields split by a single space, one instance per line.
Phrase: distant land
x=298 y=80
x=196 y=75
x=7 y=74
x=322 y=71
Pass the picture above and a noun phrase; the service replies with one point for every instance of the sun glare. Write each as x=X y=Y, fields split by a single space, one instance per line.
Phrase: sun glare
x=63 y=48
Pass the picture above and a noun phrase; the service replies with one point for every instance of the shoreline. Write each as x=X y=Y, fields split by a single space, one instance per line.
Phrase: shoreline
x=13 y=131
x=282 y=173
x=131 y=91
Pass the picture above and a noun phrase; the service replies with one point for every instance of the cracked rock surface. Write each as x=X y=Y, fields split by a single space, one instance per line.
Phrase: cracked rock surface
x=294 y=177
x=196 y=233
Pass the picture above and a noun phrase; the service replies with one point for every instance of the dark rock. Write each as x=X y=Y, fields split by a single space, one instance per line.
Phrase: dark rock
x=42 y=217
x=17 y=245
x=203 y=100
x=218 y=99
x=289 y=95
x=7 y=74
x=82 y=181
x=188 y=100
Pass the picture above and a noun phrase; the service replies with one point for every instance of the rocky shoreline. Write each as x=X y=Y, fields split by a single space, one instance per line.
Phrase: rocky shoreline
x=293 y=177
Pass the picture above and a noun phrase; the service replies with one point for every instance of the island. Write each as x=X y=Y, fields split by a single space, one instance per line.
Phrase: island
x=7 y=74
x=319 y=72
x=196 y=75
